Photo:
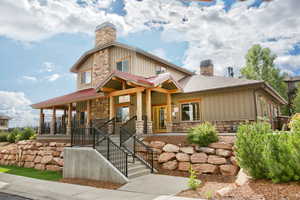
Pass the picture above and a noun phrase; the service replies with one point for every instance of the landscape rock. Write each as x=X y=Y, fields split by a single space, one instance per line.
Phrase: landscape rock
x=223 y=152
x=183 y=157
x=233 y=160
x=228 y=170
x=46 y=159
x=29 y=165
x=157 y=144
x=170 y=165
x=40 y=167
x=38 y=159
x=224 y=191
x=164 y=157
x=199 y=158
x=221 y=145
x=188 y=150
x=216 y=160
x=242 y=178
x=171 y=148
x=206 y=150
x=205 y=168
x=184 y=166
x=53 y=168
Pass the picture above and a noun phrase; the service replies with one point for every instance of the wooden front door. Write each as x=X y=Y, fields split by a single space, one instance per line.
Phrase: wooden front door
x=159 y=114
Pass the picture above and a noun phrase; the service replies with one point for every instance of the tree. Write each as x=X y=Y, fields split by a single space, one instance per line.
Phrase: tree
x=260 y=66
x=296 y=101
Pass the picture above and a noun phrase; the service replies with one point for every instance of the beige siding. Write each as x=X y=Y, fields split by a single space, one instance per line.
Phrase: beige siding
x=117 y=54
x=270 y=104
x=86 y=66
x=222 y=106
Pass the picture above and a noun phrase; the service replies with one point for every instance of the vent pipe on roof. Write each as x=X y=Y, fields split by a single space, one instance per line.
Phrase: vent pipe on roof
x=105 y=33
x=207 y=68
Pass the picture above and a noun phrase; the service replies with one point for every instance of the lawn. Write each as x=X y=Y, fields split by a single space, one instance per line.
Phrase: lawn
x=31 y=173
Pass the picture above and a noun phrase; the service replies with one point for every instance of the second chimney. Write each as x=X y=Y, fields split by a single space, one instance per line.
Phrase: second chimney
x=105 y=33
x=207 y=68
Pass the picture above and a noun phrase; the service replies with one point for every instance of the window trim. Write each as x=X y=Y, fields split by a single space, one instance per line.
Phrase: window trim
x=189 y=101
x=160 y=71
x=83 y=72
x=128 y=58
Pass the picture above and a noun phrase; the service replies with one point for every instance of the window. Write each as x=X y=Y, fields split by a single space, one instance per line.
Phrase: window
x=85 y=77
x=160 y=70
x=123 y=66
x=122 y=114
x=190 y=111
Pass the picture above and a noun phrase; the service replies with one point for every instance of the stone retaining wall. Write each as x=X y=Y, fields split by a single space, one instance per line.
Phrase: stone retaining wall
x=33 y=154
x=217 y=158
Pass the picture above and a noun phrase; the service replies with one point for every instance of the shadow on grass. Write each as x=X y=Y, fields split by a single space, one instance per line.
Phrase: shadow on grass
x=31 y=173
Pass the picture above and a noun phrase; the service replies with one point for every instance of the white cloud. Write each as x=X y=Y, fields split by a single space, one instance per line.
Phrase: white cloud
x=17 y=106
x=47 y=67
x=160 y=53
x=30 y=78
x=53 y=77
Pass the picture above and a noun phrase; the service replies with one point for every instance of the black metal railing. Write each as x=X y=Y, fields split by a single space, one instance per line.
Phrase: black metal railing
x=144 y=153
x=45 y=129
x=127 y=130
x=82 y=136
x=60 y=126
x=114 y=154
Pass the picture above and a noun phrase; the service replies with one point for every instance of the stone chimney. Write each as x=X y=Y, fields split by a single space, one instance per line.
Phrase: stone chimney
x=207 y=68
x=105 y=33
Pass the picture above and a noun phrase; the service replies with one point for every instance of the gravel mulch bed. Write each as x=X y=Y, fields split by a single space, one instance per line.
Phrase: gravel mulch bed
x=92 y=183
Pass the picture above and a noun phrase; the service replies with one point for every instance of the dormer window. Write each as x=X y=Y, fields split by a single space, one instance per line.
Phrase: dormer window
x=160 y=70
x=122 y=66
x=85 y=77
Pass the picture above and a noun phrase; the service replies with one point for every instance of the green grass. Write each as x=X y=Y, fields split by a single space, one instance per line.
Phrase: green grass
x=31 y=173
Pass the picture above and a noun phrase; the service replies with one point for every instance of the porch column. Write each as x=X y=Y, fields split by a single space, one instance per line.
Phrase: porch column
x=111 y=113
x=139 y=114
x=169 y=113
x=148 y=111
x=53 y=121
x=41 y=124
x=69 y=125
x=88 y=117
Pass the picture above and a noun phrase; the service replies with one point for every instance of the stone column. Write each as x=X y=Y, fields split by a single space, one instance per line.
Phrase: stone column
x=41 y=123
x=69 y=125
x=88 y=113
x=139 y=112
x=169 y=123
x=148 y=111
x=53 y=121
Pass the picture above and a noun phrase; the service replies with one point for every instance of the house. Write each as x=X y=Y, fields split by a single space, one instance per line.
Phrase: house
x=4 y=122
x=118 y=81
x=292 y=90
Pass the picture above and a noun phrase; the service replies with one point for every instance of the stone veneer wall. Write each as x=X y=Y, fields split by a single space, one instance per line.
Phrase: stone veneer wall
x=217 y=158
x=33 y=154
x=100 y=108
x=221 y=126
x=100 y=66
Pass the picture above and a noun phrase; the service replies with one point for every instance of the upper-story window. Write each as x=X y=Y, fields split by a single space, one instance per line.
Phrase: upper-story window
x=123 y=66
x=85 y=77
x=160 y=70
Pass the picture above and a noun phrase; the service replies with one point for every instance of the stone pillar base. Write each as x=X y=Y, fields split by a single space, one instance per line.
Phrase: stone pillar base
x=52 y=128
x=169 y=126
x=69 y=130
x=111 y=128
x=139 y=126
x=149 y=127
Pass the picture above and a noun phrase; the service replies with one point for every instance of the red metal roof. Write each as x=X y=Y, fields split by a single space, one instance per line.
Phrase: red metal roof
x=68 y=98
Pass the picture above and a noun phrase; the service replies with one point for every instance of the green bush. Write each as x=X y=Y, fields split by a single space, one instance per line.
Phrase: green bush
x=3 y=136
x=12 y=135
x=295 y=123
x=193 y=182
x=203 y=135
x=25 y=134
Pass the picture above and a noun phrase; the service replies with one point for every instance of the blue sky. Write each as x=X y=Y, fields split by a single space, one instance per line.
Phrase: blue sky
x=41 y=39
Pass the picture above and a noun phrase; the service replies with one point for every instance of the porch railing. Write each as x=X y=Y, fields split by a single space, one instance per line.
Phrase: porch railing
x=45 y=129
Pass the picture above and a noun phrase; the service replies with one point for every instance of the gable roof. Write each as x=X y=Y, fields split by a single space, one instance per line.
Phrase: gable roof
x=135 y=49
x=200 y=83
x=5 y=117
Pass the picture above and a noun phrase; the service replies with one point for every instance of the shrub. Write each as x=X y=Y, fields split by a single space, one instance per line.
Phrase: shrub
x=203 y=135
x=295 y=123
x=25 y=134
x=193 y=182
x=250 y=144
x=33 y=137
x=3 y=136
x=12 y=135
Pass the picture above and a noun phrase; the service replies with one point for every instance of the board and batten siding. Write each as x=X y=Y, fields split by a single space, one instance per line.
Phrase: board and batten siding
x=85 y=66
x=221 y=106
x=117 y=54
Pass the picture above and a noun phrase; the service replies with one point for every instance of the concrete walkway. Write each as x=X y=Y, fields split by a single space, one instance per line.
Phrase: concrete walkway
x=156 y=184
x=49 y=190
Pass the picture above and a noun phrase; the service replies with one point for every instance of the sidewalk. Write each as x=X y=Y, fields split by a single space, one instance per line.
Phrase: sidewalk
x=48 y=190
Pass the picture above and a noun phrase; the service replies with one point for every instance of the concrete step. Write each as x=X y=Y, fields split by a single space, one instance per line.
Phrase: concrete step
x=138 y=173
x=136 y=168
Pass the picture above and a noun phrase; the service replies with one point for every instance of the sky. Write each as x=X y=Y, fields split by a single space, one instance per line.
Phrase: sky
x=41 y=39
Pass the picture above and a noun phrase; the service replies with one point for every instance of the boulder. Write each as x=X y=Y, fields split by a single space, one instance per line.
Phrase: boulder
x=183 y=157
x=233 y=160
x=56 y=153
x=220 y=145
x=199 y=158
x=52 y=144
x=228 y=170
x=53 y=168
x=206 y=150
x=38 y=144
x=205 y=168
x=29 y=165
x=171 y=148
x=157 y=144
x=157 y=151
x=216 y=160
x=184 y=166
x=188 y=150
x=224 y=153
x=46 y=159
x=170 y=165
x=59 y=161
x=164 y=157
x=30 y=158
x=39 y=166
x=242 y=178
x=225 y=190
x=38 y=159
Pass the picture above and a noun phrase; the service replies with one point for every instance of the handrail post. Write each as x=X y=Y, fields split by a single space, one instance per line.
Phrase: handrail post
x=107 y=148
x=94 y=137
x=152 y=161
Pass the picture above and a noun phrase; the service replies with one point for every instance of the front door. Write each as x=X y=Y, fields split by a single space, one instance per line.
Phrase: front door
x=159 y=119
x=121 y=117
